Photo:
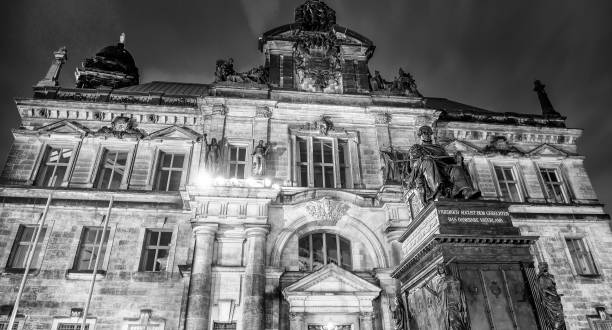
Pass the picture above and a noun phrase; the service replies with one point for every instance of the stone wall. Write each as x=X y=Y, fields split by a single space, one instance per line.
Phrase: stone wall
x=580 y=294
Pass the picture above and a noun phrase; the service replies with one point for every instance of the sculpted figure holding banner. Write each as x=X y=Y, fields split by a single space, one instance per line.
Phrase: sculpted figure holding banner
x=436 y=172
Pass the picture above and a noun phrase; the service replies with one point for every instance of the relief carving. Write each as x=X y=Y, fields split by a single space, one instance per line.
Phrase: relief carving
x=121 y=127
x=327 y=210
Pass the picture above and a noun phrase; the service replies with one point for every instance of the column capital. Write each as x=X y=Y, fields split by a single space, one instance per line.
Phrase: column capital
x=205 y=228
x=254 y=230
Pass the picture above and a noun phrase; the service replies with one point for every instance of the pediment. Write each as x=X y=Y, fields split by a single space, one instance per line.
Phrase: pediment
x=548 y=150
x=64 y=126
x=331 y=279
x=457 y=145
x=176 y=132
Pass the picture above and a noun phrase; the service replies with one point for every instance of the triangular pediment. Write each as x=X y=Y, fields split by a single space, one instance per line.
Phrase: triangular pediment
x=64 y=126
x=457 y=145
x=176 y=132
x=547 y=150
x=331 y=279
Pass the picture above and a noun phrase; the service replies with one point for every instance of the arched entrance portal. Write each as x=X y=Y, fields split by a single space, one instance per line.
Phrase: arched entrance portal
x=331 y=298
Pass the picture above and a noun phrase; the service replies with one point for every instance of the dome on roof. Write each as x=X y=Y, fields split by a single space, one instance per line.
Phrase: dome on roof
x=116 y=58
x=113 y=66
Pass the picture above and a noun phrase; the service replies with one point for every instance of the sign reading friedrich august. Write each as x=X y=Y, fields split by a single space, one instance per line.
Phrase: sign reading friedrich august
x=474 y=215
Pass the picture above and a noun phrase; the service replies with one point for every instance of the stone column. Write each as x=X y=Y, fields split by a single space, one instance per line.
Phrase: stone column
x=366 y=321
x=254 y=279
x=198 y=304
x=296 y=321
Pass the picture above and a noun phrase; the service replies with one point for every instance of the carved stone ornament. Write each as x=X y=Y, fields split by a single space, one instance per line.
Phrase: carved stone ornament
x=399 y=313
x=327 y=210
x=382 y=118
x=219 y=109
x=121 y=127
x=225 y=72
x=263 y=112
x=404 y=84
x=500 y=145
x=76 y=312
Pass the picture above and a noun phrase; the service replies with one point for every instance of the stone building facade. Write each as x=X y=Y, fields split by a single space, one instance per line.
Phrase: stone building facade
x=209 y=229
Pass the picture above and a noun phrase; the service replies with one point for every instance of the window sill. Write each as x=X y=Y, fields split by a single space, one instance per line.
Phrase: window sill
x=32 y=271
x=84 y=275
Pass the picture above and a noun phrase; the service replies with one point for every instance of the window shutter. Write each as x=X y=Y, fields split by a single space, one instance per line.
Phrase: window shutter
x=349 y=78
x=363 y=76
x=275 y=69
x=287 y=71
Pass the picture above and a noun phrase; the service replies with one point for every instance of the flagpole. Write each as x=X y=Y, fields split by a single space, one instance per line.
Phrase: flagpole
x=95 y=270
x=30 y=256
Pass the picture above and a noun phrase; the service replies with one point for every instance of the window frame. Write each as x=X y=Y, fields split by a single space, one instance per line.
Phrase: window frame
x=42 y=161
x=143 y=249
x=248 y=159
x=42 y=244
x=18 y=325
x=90 y=322
x=583 y=238
x=324 y=249
x=562 y=183
x=76 y=249
x=115 y=146
x=517 y=180
x=157 y=170
x=349 y=160
x=101 y=167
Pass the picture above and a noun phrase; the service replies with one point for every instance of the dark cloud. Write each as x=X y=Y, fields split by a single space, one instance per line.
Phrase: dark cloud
x=484 y=53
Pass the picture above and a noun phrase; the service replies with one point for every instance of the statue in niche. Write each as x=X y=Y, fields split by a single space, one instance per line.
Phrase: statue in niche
x=437 y=173
x=398 y=310
x=213 y=155
x=551 y=300
x=259 y=158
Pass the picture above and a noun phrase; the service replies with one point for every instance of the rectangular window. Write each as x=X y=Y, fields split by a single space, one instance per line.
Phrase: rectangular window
x=23 y=243
x=88 y=249
x=71 y=326
x=144 y=327
x=508 y=185
x=155 y=250
x=326 y=159
x=553 y=185
x=343 y=164
x=4 y=325
x=169 y=171
x=237 y=162
x=323 y=163
x=54 y=167
x=581 y=256
x=112 y=170
x=302 y=162
x=224 y=326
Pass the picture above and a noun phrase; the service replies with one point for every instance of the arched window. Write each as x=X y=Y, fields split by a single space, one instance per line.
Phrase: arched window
x=318 y=249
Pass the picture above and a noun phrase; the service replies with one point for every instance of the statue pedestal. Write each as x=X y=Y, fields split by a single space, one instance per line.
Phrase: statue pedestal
x=464 y=265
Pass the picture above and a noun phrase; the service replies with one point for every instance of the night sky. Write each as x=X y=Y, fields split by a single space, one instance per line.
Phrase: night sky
x=483 y=53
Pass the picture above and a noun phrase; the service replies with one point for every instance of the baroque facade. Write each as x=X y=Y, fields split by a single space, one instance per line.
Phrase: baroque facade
x=291 y=196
